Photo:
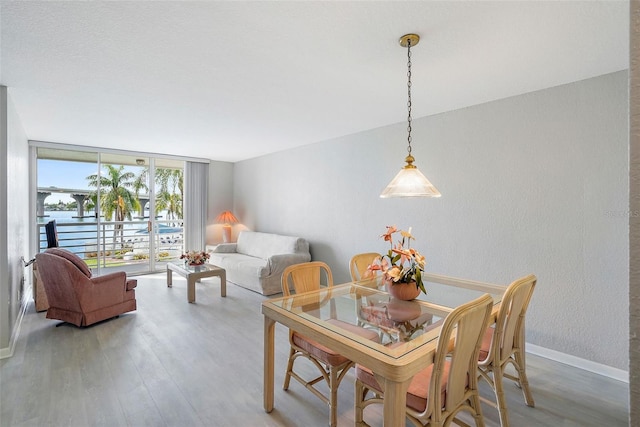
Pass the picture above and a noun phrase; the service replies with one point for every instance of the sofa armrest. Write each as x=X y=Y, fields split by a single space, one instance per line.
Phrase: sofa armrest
x=225 y=248
x=277 y=263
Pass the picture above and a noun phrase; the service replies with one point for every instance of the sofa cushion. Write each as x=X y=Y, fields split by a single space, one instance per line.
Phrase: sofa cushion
x=256 y=267
x=70 y=256
x=264 y=245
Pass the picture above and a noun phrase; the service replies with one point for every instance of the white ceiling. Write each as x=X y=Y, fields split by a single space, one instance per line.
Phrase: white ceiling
x=231 y=80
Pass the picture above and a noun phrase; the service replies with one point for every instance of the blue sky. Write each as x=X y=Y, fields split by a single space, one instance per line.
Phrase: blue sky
x=65 y=174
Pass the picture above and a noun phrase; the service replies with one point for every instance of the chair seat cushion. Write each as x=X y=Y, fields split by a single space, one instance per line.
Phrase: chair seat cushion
x=486 y=344
x=418 y=391
x=325 y=354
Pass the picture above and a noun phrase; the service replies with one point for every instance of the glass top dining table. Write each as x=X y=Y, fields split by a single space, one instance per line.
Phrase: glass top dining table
x=407 y=330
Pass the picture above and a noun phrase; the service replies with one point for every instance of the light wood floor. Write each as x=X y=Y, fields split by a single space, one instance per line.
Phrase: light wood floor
x=172 y=363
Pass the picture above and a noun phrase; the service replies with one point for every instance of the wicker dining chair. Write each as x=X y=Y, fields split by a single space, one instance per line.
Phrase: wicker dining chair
x=439 y=392
x=333 y=367
x=504 y=343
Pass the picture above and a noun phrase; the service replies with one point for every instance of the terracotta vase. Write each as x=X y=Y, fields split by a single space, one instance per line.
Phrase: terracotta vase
x=403 y=291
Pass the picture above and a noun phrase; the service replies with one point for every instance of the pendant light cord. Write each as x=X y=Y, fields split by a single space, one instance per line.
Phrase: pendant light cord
x=409 y=95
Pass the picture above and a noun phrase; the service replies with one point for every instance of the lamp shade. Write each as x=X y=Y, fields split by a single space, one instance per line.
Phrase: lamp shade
x=226 y=217
x=410 y=182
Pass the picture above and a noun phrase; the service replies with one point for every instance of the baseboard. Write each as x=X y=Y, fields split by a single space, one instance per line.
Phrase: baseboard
x=8 y=351
x=577 y=362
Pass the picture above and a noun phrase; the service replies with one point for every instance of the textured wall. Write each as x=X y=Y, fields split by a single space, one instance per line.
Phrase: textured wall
x=536 y=183
x=14 y=239
x=634 y=220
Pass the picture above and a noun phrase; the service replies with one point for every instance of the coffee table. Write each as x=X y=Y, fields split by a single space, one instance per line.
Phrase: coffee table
x=193 y=274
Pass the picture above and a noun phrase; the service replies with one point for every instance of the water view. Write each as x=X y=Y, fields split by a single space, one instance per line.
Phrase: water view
x=123 y=240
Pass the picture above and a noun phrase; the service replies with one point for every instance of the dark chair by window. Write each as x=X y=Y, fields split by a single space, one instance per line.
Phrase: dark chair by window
x=52 y=234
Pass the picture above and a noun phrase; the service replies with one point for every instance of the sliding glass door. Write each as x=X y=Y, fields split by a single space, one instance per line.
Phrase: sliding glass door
x=168 y=223
x=116 y=211
x=122 y=189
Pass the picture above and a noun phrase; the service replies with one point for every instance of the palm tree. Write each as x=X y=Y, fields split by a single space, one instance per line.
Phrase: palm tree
x=91 y=202
x=170 y=192
x=115 y=197
x=171 y=202
x=140 y=184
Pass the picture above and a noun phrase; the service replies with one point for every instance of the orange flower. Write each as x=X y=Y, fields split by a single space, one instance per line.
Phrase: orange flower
x=405 y=254
x=379 y=265
x=374 y=267
x=388 y=235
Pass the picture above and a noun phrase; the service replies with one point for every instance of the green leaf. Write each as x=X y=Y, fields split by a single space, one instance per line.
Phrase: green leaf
x=421 y=286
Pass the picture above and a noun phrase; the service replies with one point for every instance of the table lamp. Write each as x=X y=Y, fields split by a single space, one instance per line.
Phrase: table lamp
x=226 y=218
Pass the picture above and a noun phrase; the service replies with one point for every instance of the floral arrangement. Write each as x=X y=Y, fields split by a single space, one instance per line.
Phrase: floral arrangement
x=195 y=257
x=402 y=264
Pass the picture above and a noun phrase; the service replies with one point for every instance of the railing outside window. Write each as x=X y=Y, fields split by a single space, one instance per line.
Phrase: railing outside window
x=122 y=243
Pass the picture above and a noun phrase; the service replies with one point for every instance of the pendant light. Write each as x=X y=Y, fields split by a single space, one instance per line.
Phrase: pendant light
x=409 y=182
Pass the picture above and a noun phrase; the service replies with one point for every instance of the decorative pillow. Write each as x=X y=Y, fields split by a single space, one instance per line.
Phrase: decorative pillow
x=70 y=256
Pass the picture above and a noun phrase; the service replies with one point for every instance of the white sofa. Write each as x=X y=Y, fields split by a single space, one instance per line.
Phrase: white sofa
x=257 y=260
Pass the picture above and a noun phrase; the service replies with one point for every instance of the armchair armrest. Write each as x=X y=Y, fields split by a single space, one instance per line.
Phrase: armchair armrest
x=225 y=248
x=102 y=291
x=116 y=277
x=277 y=263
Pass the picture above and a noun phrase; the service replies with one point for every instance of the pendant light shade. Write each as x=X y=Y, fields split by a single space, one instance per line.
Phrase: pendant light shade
x=409 y=182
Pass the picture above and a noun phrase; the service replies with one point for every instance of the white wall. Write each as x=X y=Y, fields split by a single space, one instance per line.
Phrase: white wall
x=536 y=183
x=14 y=219
x=634 y=219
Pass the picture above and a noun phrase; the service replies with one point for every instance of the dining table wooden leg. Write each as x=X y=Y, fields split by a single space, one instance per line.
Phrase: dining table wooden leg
x=269 y=347
x=395 y=402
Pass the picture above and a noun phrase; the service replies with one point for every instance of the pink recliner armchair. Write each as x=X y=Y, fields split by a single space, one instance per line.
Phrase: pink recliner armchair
x=76 y=297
